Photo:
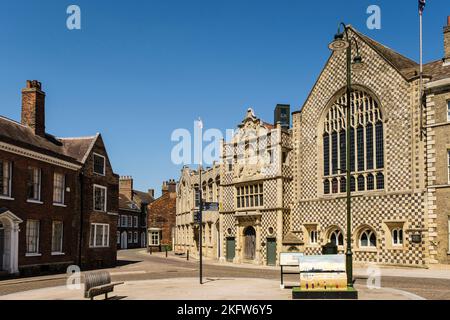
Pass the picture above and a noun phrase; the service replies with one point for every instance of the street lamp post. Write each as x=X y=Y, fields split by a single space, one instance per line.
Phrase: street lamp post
x=200 y=206
x=340 y=44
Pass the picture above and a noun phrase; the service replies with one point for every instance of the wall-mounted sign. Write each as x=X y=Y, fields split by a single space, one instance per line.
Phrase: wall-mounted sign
x=210 y=206
x=416 y=238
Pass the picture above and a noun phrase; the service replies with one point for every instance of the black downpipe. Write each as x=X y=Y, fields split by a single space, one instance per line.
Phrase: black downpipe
x=80 y=244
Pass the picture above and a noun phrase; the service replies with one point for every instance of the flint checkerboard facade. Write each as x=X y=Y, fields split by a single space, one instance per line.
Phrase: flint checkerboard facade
x=400 y=197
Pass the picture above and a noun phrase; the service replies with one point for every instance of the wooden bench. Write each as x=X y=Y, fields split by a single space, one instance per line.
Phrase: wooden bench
x=97 y=283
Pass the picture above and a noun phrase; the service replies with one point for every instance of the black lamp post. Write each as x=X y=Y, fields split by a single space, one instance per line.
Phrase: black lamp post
x=342 y=41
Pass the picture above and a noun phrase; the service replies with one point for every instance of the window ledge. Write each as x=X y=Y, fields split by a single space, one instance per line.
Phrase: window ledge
x=113 y=213
x=59 y=205
x=99 y=247
x=35 y=201
x=58 y=254
x=33 y=254
x=6 y=198
x=375 y=250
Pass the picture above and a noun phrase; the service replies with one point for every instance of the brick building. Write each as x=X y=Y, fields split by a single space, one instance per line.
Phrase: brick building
x=58 y=196
x=161 y=217
x=132 y=224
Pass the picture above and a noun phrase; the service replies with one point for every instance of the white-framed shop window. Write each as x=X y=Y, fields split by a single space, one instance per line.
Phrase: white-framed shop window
x=154 y=238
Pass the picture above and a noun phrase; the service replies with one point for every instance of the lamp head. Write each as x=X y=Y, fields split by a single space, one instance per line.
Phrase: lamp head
x=338 y=44
x=358 y=64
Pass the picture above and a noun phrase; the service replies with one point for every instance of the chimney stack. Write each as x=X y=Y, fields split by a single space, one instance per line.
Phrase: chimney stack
x=447 y=42
x=151 y=192
x=126 y=186
x=169 y=186
x=33 y=107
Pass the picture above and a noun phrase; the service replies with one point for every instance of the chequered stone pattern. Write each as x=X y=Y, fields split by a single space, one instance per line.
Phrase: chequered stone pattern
x=287 y=193
x=404 y=197
x=228 y=198
x=373 y=212
x=286 y=222
x=270 y=194
x=229 y=222
x=392 y=91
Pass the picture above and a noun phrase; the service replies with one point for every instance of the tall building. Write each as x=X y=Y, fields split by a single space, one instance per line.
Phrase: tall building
x=58 y=196
x=133 y=207
x=399 y=159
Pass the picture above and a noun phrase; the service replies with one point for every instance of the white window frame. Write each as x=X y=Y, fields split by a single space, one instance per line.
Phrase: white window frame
x=135 y=237
x=130 y=237
x=104 y=164
x=130 y=221
x=136 y=221
x=313 y=236
x=62 y=236
x=63 y=188
x=152 y=238
x=8 y=179
x=400 y=241
x=448 y=235
x=39 y=183
x=118 y=237
x=96 y=186
x=448 y=164
x=93 y=237
x=448 y=110
x=38 y=227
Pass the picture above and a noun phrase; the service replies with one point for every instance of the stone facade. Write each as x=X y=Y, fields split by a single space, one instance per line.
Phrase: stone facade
x=400 y=168
x=187 y=232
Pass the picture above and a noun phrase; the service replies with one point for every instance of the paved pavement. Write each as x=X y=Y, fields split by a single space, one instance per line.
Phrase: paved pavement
x=190 y=289
x=136 y=268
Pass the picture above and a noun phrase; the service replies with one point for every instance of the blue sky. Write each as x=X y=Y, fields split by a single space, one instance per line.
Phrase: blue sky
x=137 y=70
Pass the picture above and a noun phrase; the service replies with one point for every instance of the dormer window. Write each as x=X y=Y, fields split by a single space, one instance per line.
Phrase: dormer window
x=99 y=164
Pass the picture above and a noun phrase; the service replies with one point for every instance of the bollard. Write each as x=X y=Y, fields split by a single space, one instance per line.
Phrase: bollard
x=166 y=250
x=187 y=255
x=151 y=250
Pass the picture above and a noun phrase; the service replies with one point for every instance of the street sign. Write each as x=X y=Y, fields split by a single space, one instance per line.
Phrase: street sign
x=210 y=206
x=197 y=217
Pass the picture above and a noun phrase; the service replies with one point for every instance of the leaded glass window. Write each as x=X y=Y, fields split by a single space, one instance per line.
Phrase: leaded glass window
x=366 y=144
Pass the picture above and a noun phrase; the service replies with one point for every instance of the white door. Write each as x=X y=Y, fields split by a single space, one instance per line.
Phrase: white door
x=124 y=240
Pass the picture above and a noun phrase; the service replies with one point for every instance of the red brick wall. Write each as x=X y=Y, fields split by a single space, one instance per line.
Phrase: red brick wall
x=100 y=257
x=45 y=212
x=161 y=214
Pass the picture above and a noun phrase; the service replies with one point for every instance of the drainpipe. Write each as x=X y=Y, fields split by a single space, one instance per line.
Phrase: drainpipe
x=80 y=244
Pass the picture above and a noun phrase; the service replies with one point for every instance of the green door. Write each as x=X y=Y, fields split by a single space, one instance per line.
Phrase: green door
x=271 y=251
x=231 y=247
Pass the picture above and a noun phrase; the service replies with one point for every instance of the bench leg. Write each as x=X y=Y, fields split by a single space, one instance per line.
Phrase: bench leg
x=106 y=296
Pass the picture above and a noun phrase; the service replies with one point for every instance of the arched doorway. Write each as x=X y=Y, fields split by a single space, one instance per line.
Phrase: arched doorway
x=249 y=243
x=9 y=241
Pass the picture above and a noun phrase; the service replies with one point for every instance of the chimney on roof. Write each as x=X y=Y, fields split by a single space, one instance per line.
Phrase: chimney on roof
x=33 y=107
x=151 y=192
x=447 y=42
x=169 y=186
x=126 y=186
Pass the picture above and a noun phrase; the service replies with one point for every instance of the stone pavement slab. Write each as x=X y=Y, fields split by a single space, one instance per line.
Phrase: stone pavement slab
x=190 y=289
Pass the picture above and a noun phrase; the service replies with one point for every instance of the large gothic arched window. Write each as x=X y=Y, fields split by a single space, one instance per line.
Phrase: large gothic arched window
x=366 y=145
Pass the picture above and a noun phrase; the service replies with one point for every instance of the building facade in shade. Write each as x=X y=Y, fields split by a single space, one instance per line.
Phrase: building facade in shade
x=187 y=230
x=161 y=218
x=399 y=159
x=58 y=196
x=132 y=223
x=256 y=181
